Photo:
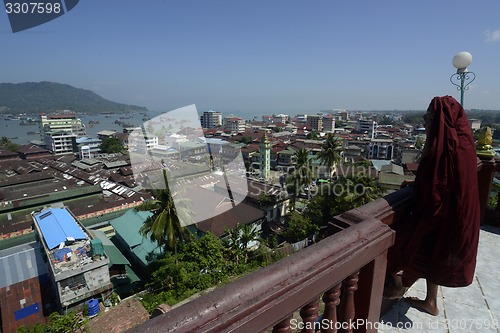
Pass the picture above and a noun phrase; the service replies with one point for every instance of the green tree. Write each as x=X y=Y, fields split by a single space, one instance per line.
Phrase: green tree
x=164 y=226
x=341 y=195
x=111 y=145
x=6 y=143
x=330 y=154
x=298 y=227
x=246 y=140
x=57 y=323
x=240 y=238
x=303 y=168
x=265 y=199
x=313 y=135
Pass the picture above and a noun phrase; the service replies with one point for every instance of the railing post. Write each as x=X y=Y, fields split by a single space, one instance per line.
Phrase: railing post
x=486 y=170
x=348 y=307
x=283 y=326
x=331 y=298
x=368 y=297
x=309 y=314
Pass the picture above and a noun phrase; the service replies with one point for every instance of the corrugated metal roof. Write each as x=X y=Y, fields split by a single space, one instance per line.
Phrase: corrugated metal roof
x=377 y=164
x=56 y=225
x=20 y=263
x=128 y=226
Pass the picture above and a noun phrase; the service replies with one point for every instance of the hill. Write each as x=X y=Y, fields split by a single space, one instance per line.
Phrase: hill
x=35 y=97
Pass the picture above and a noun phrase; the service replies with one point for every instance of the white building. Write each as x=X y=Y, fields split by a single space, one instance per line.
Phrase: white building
x=234 y=124
x=61 y=122
x=280 y=118
x=366 y=126
x=211 y=119
x=61 y=142
x=88 y=147
x=381 y=149
x=173 y=140
x=143 y=143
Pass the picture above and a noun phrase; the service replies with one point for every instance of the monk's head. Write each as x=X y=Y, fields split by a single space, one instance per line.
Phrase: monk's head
x=428 y=116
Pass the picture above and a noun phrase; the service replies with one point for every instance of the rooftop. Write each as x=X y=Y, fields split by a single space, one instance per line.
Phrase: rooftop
x=27 y=261
x=67 y=245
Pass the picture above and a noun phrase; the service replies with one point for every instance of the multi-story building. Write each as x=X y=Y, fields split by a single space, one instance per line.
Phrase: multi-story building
x=315 y=122
x=78 y=266
x=61 y=142
x=142 y=143
x=366 y=126
x=280 y=118
x=344 y=115
x=234 y=124
x=211 y=119
x=381 y=149
x=88 y=147
x=106 y=134
x=61 y=122
x=328 y=123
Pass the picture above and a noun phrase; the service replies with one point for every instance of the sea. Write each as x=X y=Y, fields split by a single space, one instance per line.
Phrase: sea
x=13 y=129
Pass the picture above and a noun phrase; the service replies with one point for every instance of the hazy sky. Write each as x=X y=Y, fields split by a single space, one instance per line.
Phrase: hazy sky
x=263 y=55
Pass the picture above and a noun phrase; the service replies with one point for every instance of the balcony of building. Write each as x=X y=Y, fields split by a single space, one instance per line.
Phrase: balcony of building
x=339 y=281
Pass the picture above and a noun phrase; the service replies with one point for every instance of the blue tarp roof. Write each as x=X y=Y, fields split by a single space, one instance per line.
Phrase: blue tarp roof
x=56 y=225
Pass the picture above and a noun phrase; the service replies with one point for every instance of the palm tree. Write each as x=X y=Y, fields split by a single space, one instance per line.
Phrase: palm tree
x=7 y=144
x=248 y=234
x=4 y=141
x=164 y=226
x=240 y=238
x=330 y=152
x=303 y=170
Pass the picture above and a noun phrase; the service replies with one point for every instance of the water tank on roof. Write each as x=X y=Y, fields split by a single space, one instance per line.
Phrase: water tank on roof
x=93 y=305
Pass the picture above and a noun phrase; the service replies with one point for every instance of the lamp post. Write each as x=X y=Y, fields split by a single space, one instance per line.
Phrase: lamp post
x=461 y=61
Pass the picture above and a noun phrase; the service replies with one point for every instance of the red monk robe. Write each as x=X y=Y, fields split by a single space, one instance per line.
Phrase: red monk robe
x=439 y=240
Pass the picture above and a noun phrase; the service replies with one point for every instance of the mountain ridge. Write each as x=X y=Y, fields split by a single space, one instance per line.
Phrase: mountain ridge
x=46 y=96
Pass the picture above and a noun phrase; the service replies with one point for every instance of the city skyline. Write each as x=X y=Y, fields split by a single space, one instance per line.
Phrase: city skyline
x=263 y=57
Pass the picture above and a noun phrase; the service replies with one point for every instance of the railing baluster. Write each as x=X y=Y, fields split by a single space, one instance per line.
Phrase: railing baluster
x=331 y=298
x=348 y=308
x=283 y=326
x=309 y=314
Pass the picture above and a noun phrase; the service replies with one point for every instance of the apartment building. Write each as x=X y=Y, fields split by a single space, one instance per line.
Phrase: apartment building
x=234 y=124
x=315 y=122
x=328 y=123
x=366 y=126
x=61 y=122
x=77 y=264
x=61 y=142
x=211 y=119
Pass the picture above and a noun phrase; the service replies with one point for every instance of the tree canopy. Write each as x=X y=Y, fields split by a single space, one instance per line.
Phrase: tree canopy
x=111 y=145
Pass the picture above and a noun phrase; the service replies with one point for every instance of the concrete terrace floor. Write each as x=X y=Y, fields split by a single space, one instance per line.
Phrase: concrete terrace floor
x=475 y=308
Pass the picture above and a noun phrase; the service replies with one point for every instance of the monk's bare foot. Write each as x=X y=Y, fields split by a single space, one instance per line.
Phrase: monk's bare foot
x=425 y=306
x=393 y=292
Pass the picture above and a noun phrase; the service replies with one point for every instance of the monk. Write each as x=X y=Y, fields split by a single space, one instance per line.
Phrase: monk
x=439 y=241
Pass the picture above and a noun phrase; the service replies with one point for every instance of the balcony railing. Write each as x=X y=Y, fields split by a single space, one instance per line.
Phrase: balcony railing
x=344 y=274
